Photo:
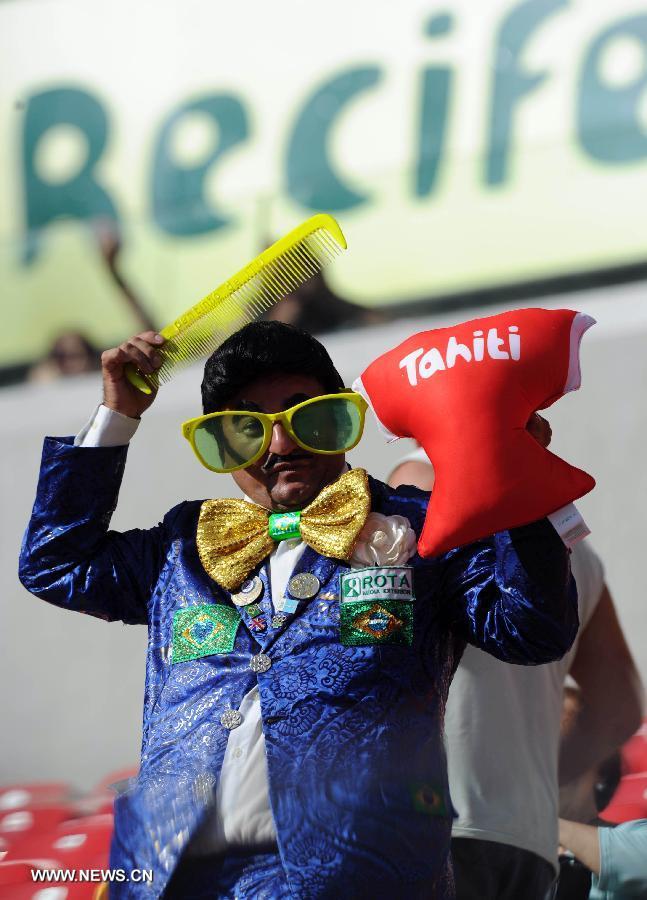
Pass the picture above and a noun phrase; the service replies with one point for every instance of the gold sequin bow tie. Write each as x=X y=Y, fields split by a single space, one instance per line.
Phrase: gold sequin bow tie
x=233 y=535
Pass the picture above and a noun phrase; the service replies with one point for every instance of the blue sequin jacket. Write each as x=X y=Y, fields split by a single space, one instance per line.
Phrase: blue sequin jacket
x=356 y=765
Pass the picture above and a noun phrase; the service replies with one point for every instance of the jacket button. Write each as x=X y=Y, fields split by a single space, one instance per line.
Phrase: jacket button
x=231 y=718
x=260 y=663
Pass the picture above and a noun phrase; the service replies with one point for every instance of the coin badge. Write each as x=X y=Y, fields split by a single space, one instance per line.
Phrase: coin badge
x=248 y=592
x=230 y=719
x=260 y=663
x=304 y=586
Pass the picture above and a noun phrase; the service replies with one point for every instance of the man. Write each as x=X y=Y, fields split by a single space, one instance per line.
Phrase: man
x=292 y=741
x=503 y=733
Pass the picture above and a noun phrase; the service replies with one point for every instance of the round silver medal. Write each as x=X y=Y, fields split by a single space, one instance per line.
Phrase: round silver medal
x=260 y=663
x=249 y=591
x=231 y=718
x=303 y=586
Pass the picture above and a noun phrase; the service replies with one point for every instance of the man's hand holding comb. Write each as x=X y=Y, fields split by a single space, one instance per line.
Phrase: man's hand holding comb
x=119 y=394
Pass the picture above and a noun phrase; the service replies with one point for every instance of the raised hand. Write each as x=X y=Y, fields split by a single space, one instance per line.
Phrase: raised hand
x=540 y=429
x=118 y=393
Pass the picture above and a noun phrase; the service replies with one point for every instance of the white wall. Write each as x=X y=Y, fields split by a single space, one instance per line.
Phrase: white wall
x=70 y=704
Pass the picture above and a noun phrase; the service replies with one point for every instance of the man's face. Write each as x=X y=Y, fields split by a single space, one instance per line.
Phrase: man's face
x=286 y=477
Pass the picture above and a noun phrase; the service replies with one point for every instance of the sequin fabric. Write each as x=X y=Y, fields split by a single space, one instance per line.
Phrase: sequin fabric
x=233 y=535
x=232 y=538
x=376 y=622
x=203 y=630
x=356 y=765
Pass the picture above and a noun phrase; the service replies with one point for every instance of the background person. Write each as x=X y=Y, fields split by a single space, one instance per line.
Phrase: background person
x=73 y=352
x=502 y=727
x=588 y=796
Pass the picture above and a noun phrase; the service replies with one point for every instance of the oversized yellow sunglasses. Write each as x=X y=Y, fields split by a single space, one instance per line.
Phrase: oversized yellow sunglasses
x=233 y=439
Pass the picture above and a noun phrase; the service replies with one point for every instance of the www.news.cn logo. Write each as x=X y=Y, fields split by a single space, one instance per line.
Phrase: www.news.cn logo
x=94 y=876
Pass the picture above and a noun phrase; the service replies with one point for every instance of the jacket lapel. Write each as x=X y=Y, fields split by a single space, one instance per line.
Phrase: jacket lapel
x=257 y=616
x=322 y=567
x=260 y=623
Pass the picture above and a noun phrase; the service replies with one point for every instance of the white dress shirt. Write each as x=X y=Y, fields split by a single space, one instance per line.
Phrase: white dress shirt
x=241 y=815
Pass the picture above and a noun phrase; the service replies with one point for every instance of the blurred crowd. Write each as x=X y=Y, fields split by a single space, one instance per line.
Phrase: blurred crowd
x=313 y=306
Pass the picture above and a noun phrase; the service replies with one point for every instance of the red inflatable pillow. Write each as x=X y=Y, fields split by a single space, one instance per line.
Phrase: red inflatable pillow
x=465 y=395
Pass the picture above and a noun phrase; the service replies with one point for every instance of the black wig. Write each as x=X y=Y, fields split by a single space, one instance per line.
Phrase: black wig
x=261 y=349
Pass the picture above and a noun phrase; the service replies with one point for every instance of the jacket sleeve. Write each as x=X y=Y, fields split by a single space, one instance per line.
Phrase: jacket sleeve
x=68 y=555
x=512 y=594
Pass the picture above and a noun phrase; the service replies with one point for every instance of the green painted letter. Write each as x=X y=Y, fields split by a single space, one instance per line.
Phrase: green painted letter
x=311 y=179
x=436 y=81
x=609 y=126
x=510 y=83
x=179 y=205
x=79 y=197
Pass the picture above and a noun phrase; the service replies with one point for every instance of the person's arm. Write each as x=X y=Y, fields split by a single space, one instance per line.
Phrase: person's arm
x=617 y=856
x=623 y=859
x=109 y=241
x=68 y=556
x=512 y=594
x=413 y=471
x=610 y=697
x=582 y=841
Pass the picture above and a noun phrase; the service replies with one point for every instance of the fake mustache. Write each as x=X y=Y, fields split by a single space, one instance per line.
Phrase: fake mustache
x=274 y=459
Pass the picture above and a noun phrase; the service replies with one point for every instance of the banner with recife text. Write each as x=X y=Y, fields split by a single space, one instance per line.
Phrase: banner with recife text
x=461 y=147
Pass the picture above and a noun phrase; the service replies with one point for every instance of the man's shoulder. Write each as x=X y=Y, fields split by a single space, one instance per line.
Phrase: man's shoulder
x=405 y=500
x=183 y=518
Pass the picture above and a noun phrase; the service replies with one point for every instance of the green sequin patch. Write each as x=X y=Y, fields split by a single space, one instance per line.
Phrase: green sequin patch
x=365 y=623
x=429 y=800
x=204 y=630
x=284 y=526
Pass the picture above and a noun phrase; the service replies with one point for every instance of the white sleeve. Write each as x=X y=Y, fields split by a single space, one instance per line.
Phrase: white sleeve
x=588 y=572
x=106 y=428
x=416 y=455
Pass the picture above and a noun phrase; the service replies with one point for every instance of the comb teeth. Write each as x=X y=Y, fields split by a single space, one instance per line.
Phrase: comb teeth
x=273 y=275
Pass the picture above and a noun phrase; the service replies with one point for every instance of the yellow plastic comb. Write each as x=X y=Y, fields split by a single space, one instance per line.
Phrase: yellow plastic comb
x=274 y=274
